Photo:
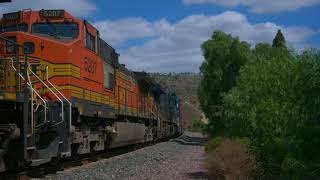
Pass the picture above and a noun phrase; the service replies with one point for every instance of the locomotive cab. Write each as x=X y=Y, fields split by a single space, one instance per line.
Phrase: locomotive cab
x=45 y=33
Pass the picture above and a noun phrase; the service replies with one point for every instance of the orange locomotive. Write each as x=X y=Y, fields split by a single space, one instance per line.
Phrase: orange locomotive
x=64 y=93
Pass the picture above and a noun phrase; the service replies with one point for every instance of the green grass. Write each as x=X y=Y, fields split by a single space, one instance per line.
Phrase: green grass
x=242 y=140
x=212 y=144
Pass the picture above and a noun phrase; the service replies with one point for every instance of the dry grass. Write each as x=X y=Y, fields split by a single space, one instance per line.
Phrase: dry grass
x=230 y=161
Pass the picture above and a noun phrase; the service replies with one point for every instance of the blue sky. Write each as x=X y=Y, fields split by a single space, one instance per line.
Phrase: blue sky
x=165 y=35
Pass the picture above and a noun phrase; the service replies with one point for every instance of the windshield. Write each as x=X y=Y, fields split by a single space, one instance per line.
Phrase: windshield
x=17 y=27
x=57 y=30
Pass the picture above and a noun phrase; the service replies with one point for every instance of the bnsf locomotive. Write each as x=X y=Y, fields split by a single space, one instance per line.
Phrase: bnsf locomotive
x=63 y=92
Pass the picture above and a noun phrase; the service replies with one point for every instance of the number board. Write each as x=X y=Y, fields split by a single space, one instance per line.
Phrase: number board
x=90 y=65
x=52 y=13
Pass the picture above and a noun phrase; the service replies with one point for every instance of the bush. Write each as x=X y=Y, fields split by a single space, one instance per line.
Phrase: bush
x=198 y=126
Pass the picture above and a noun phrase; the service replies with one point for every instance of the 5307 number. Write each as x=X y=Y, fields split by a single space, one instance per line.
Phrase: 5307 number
x=90 y=65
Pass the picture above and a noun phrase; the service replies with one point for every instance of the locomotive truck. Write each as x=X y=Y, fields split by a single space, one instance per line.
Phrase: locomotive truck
x=64 y=93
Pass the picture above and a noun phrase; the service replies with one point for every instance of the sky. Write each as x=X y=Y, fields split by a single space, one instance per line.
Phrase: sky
x=166 y=35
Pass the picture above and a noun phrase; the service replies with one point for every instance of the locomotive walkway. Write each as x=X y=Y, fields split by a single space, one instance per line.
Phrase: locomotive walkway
x=180 y=158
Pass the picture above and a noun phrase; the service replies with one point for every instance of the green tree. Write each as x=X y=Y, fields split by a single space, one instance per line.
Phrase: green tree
x=224 y=55
x=275 y=103
x=259 y=106
x=279 y=41
x=263 y=51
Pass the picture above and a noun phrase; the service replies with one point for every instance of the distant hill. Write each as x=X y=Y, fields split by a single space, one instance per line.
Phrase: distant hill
x=185 y=85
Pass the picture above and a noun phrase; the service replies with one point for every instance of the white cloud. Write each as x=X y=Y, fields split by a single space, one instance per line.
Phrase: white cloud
x=123 y=30
x=165 y=46
x=169 y=46
x=75 y=7
x=260 y=6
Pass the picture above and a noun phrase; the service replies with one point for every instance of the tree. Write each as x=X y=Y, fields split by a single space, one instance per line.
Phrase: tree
x=224 y=55
x=279 y=41
x=275 y=103
x=263 y=50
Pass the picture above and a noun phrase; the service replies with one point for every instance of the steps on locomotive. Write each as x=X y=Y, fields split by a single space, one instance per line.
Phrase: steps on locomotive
x=54 y=113
x=51 y=138
x=40 y=156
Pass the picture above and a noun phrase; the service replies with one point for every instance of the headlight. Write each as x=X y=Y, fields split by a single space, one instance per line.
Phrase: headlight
x=10 y=47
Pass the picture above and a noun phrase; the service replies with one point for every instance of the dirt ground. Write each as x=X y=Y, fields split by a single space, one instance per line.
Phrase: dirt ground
x=230 y=161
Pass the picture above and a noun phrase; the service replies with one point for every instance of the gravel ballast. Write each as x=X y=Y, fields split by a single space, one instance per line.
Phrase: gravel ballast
x=180 y=158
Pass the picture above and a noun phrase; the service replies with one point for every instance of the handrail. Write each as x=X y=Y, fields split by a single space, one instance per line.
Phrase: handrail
x=70 y=104
x=32 y=123
x=54 y=86
x=33 y=91
x=62 y=113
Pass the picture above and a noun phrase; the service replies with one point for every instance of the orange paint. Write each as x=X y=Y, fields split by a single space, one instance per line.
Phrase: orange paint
x=125 y=94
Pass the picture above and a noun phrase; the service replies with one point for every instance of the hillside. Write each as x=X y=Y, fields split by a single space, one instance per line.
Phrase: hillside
x=185 y=85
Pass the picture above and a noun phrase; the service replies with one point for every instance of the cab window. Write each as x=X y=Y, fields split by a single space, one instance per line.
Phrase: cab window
x=56 y=30
x=109 y=78
x=16 y=27
x=90 y=41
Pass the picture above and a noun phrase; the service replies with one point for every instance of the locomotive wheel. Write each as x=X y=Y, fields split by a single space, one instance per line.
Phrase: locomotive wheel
x=55 y=164
x=75 y=156
x=93 y=156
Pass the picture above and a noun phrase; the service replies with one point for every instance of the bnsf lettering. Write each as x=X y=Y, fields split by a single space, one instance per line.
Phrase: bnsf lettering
x=90 y=66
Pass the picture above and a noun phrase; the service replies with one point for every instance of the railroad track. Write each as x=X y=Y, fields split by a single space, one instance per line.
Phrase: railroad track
x=55 y=166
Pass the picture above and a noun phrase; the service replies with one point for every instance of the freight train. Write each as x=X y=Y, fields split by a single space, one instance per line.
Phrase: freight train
x=64 y=93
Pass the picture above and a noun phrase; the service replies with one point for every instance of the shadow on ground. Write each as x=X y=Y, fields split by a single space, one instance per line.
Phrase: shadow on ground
x=198 y=175
x=190 y=140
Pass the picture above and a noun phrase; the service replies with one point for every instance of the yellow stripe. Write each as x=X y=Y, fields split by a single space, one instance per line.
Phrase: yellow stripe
x=11 y=96
x=55 y=69
x=85 y=94
x=77 y=92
